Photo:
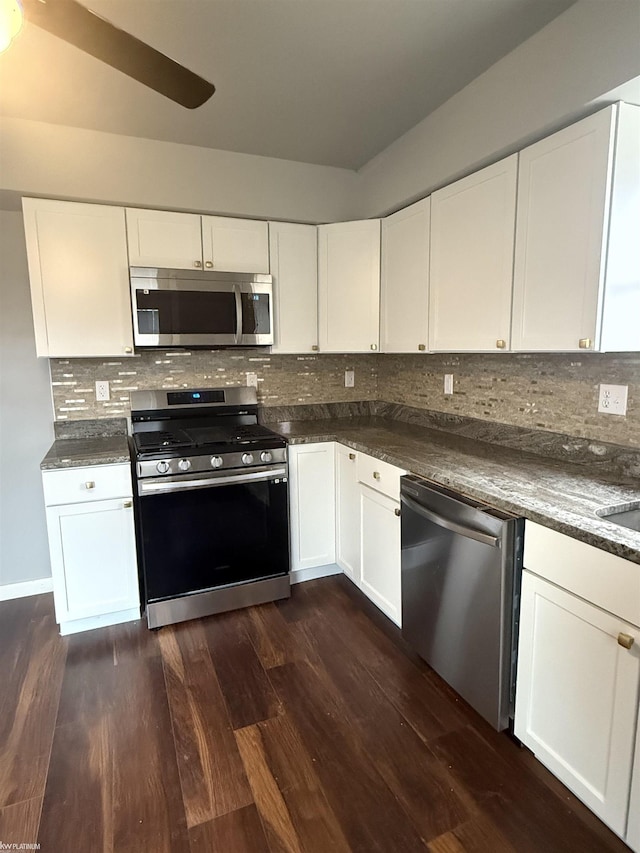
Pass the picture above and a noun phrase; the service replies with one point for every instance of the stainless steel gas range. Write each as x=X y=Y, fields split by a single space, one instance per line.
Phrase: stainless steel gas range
x=211 y=503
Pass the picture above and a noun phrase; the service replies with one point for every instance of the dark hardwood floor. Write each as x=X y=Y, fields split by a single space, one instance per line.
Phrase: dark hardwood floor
x=300 y=726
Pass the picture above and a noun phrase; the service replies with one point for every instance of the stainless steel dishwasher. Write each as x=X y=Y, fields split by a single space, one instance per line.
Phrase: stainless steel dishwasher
x=461 y=569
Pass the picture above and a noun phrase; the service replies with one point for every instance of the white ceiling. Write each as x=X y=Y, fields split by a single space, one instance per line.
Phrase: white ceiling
x=320 y=81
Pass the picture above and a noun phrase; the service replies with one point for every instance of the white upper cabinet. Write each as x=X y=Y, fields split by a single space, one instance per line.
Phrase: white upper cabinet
x=349 y=286
x=79 y=275
x=577 y=258
x=235 y=245
x=472 y=234
x=404 y=282
x=160 y=238
x=293 y=250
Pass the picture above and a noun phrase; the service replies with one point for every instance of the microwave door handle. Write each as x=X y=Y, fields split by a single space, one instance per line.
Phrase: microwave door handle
x=449 y=524
x=238 y=295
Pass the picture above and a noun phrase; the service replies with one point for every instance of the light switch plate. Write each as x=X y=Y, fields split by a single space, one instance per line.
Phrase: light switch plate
x=612 y=399
x=448 y=383
x=349 y=378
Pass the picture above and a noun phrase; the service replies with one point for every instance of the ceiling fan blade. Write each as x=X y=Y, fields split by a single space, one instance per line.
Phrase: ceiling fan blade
x=71 y=21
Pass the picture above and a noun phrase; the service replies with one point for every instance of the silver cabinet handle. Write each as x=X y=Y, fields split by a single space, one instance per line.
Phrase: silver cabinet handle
x=422 y=347
x=501 y=344
x=315 y=347
x=376 y=475
x=397 y=511
x=197 y=264
x=374 y=346
x=127 y=504
x=128 y=349
x=208 y=265
x=90 y=484
x=584 y=343
x=352 y=456
x=625 y=640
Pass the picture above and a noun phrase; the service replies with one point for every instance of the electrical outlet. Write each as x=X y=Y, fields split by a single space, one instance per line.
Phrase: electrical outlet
x=349 y=378
x=252 y=379
x=448 y=383
x=102 y=391
x=612 y=399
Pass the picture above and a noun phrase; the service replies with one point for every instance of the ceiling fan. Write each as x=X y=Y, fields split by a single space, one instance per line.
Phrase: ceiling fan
x=73 y=22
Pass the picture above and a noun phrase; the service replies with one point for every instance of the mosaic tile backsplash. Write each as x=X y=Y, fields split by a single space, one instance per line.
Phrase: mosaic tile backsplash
x=282 y=379
x=556 y=392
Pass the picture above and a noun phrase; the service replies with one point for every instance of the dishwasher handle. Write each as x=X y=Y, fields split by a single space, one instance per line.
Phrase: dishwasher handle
x=453 y=526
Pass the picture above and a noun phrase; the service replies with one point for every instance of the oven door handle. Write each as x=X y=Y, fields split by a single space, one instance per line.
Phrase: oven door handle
x=154 y=487
x=449 y=524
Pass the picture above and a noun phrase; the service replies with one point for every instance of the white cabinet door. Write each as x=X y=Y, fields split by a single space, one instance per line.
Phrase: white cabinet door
x=79 y=276
x=161 y=238
x=347 y=513
x=349 y=286
x=93 y=558
x=293 y=250
x=472 y=234
x=380 y=520
x=235 y=245
x=577 y=695
x=312 y=505
x=404 y=282
x=563 y=192
x=633 y=827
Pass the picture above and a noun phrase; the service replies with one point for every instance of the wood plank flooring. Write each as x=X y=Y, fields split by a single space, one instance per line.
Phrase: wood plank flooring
x=303 y=726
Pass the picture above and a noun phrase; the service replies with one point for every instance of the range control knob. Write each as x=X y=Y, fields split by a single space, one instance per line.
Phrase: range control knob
x=247 y=458
x=216 y=461
x=266 y=456
x=162 y=467
x=184 y=464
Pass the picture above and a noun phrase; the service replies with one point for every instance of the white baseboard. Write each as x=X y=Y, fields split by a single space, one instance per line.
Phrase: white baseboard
x=91 y=622
x=301 y=575
x=22 y=590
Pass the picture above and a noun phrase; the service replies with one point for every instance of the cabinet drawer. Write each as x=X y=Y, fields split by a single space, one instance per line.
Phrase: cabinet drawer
x=597 y=576
x=78 y=485
x=379 y=475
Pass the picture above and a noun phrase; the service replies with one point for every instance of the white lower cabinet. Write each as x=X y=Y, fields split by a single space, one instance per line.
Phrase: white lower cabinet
x=348 y=551
x=92 y=547
x=380 y=576
x=312 y=506
x=633 y=826
x=577 y=691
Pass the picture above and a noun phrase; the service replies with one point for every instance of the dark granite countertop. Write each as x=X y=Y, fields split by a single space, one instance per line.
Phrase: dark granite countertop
x=558 y=494
x=81 y=452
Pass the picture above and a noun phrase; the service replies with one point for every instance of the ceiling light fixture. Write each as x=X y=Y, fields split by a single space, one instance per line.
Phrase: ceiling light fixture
x=10 y=22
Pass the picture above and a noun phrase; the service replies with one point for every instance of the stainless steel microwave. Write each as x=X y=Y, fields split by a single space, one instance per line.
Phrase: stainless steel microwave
x=197 y=308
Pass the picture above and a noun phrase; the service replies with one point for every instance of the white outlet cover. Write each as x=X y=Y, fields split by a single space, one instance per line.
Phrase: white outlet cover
x=252 y=379
x=448 y=383
x=612 y=399
x=102 y=391
x=349 y=378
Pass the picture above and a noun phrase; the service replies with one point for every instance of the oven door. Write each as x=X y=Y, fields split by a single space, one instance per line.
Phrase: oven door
x=203 y=532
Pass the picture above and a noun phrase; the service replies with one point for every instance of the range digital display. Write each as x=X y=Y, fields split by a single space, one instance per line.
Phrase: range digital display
x=184 y=398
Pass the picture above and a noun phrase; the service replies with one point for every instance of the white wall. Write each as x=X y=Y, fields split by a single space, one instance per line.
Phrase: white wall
x=26 y=416
x=545 y=83
x=37 y=158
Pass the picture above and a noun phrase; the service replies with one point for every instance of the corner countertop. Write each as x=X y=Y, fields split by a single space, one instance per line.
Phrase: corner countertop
x=84 y=452
x=560 y=495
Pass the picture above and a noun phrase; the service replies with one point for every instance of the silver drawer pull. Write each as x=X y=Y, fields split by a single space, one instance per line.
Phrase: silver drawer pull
x=625 y=640
x=376 y=475
x=397 y=511
x=584 y=343
x=90 y=484
x=352 y=456
x=127 y=504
